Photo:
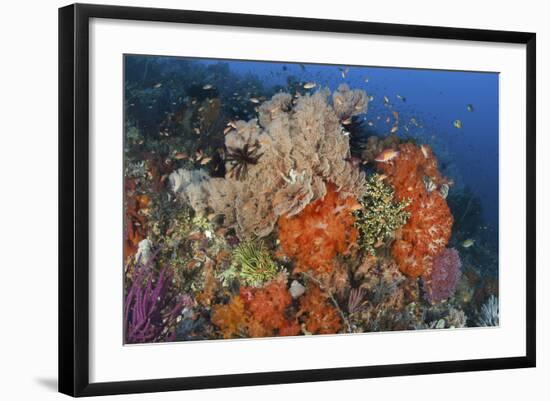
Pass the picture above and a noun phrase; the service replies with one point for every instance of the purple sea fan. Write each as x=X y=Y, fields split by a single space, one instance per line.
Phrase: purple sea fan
x=150 y=313
x=440 y=283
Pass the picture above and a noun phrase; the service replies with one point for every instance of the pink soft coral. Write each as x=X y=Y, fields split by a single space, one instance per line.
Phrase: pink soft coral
x=440 y=282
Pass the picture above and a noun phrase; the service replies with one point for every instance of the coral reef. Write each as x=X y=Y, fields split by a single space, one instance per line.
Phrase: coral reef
x=322 y=230
x=440 y=282
x=380 y=216
x=428 y=229
x=288 y=159
x=253 y=210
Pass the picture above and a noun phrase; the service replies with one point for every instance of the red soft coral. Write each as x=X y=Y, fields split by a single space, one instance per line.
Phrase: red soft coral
x=428 y=229
x=322 y=230
x=267 y=307
x=319 y=315
x=257 y=312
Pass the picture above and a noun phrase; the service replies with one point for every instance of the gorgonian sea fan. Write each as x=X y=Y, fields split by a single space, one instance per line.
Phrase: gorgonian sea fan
x=150 y=312
x=441 y=281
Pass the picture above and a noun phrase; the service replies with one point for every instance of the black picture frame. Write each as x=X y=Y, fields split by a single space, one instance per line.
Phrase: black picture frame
x=74 y=198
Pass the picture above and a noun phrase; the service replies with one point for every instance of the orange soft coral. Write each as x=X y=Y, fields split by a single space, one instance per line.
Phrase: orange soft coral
x=320 y=316
x=322 y=230
x=134 y=219
x=267 y=307
x=429 y=228
x=232 y=318
x=257 y=312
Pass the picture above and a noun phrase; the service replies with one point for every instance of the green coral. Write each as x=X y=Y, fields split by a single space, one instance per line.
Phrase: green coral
x=251 y=264
x=380 y=215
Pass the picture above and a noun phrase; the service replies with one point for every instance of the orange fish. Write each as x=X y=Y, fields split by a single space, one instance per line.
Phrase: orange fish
x=387 y=155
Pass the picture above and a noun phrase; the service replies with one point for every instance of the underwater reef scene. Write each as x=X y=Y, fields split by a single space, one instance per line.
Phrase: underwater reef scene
x=266 y=199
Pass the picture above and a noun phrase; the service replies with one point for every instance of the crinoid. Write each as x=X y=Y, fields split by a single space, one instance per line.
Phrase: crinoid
x=240 y=158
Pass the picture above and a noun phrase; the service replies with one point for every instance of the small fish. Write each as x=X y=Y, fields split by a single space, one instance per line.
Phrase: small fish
x=470 y=108
x=254 y=100
x=394 y=129
x=157 y=85
x=207 y=87
x=429 y=184
x=371 y=98
x=395 y=115
x=386 y=100
x=227 y=129
x=180 y=155
x=310 y=85
x=457 y=124
x=402 y=98
x=370 y=124
x=232 y=124
x=347 y=121
x=444 y=190
x=424 y=149
x=386 y=156
x=344 y=71
x=366 y=80
x=468 y=243
x=206 y=160
x=197 y=131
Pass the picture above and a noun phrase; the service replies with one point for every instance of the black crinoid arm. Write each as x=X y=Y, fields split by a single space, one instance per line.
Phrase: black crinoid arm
x=241 y=158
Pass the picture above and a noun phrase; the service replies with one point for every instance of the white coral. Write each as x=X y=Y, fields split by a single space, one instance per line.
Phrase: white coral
x=302 y=148
x=489 y=313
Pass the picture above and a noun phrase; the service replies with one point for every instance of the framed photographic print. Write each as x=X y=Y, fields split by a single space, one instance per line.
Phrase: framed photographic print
x=250 y=199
